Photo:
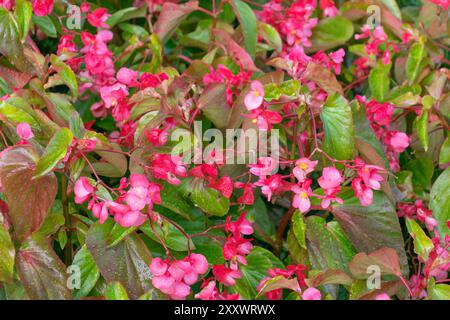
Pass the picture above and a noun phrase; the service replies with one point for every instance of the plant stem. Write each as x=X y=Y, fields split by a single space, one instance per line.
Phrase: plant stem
x=65 y=206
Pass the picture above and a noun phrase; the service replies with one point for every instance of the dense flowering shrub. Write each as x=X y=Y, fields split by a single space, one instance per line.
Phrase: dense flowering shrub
x=119 y=177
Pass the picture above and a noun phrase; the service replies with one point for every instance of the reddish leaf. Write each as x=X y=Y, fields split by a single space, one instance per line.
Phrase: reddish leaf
x=385 y=258
x=171 y=16
x=330 y=276
x=235 y=51
x=41 y=271
x=323 y=77
x=13 y=78
x=214 y=105
x=28 y=199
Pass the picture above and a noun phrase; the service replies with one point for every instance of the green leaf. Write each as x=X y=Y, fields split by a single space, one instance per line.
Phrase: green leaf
x=444 y=155
x=89 y=272
x=299 y=228
x=328 y=248
x=115 y=291
x=422 y=244
x=393 y=7
x=331 y=33
x=126 y=14
x=440 y=202
x=259 y=215
x=172 y=199
x=16 y=115
x=46 y=25
x=379 y=81
x=66 y=74
x=212 y=252
x=338 y=125
x=210 y=201
x=127 y=262
x=23 y=12
x=10 y=44
x=247 y=19
x=259 y=261
x=414 y=64
x=76 y=125
x=421 y=125
x=117 y=234
x=7 y=254
x=422 y=169
x=271 y=36
x=28 y=199
x=438 y=291
x=54 y=152
x=372 y=227
x=41 y=271
x=172 y=237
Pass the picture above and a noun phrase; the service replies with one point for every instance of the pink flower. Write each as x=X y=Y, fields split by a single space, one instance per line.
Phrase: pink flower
x=311 y=294
x=98 y=17
x=247 y=198
x=255 y=97
x=100 y=211
x=66 y=44
x=42 y=7
x=157 y=137
x=301 y=198
x=174 y=278
x=331 y=178
x=85 y=7
x=83 y=190
x=370 y=176
x=264 y=119
x=270 y=185
x=208 y=292
x=128 y=77
x=224 y=185
x=23 y=130
x=382 y=296
x=7 y=4
x=444 y=4
x=241 y=225
x=399 y=141
x=236 y=248
x=198 y=262
x=168 y=167
x=149 y=80
x=265 y=166
x=130 y=218
x=329 y=8
x=158 y=267
x=303 y=166
x=225 y=275
x=111 y=95
x=363 y=193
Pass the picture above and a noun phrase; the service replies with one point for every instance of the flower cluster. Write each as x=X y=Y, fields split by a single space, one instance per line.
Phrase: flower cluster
x=174 y=278
x=127 y=208
x=376 y=40
x=234 y=250
x=380 y=118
